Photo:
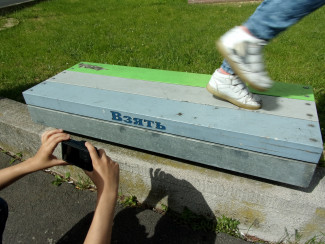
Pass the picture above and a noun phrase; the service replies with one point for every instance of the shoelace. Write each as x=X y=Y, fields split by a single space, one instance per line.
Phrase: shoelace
x=240 y=88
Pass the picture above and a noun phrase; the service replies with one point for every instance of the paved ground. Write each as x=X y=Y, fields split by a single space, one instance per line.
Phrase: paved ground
x=7 y=3
x=40 y=212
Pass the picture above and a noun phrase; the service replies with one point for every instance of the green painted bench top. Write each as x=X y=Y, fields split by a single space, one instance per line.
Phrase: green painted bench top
x=279 y=89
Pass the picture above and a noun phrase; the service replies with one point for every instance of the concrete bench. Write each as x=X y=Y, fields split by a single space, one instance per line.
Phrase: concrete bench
x=171 y=113
x=10 y=3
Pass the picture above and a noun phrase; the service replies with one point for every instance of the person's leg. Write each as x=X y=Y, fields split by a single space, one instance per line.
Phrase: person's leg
x=3 y=216
x=242 y=46
x=226 y=67
x=274 y=16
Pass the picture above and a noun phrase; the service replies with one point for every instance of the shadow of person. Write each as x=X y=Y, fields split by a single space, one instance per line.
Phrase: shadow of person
x=77 y=233
x=127 y=227
x=177 y=225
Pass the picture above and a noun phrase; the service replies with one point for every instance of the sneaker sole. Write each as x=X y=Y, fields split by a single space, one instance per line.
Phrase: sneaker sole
x=237 y=70
x=229 y=99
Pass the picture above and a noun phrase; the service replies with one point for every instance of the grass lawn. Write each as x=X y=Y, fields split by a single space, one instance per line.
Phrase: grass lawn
x=54 y=35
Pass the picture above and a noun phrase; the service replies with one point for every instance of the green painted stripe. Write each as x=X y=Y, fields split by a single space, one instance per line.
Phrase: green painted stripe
x=173 y=77
x=279 y=89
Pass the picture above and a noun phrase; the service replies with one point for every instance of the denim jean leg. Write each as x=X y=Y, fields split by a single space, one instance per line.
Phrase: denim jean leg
x=226 y=67
x=274 y=16
x=3 y=216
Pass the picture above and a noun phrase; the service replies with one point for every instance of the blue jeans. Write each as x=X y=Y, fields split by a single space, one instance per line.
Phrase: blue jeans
x=274 y=16
x=3 y=216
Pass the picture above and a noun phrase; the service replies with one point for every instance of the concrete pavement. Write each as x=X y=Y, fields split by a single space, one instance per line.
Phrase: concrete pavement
x=40 y=212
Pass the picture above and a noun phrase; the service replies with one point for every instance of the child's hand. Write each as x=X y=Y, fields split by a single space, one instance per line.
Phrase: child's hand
x=44 y=158
x=106 y=172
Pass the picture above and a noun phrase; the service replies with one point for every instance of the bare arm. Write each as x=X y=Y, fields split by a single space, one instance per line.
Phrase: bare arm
x=106 y=178
x=43 y=159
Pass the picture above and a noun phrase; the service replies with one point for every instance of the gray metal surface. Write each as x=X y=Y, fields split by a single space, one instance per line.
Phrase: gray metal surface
x=291 y=108
x=280 y=136
x=8 y=3
x=256 y=164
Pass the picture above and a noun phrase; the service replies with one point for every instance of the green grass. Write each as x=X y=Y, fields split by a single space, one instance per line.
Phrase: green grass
x=162 y=34
x=2 y=21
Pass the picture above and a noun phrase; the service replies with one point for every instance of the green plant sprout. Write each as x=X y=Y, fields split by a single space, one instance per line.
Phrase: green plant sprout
x=59 y=179
x=130 y=201
x=17 y=156
x=83 y=183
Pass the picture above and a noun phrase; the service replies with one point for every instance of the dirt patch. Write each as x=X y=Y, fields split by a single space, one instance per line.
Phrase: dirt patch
x=88 y=66
x=6 y=23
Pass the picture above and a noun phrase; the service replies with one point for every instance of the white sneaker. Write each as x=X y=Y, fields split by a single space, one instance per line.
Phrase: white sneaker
x=232 y=89
x=244 y=54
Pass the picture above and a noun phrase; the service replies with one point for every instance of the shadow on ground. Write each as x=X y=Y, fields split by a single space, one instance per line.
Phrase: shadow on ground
x=142 y=225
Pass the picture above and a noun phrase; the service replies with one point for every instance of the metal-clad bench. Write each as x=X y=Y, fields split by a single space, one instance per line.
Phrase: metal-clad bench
x=9 y=3
x=172 y=113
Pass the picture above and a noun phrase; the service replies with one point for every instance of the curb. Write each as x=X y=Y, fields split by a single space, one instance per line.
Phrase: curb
x=265 y=209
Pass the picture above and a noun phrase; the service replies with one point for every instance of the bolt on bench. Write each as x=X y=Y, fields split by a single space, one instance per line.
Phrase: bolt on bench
x=171 y=113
